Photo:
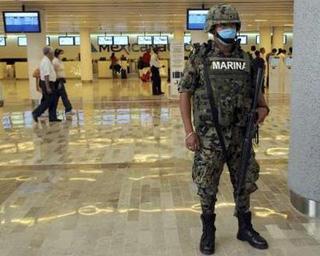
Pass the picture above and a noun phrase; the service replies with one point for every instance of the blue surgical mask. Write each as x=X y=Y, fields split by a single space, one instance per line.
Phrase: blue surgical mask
x=228 y=33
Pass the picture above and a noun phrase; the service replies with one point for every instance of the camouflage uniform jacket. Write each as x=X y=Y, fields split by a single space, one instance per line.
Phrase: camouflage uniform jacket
x=231 y=79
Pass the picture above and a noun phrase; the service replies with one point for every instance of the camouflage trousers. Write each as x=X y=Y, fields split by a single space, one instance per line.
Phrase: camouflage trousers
x=208 y=166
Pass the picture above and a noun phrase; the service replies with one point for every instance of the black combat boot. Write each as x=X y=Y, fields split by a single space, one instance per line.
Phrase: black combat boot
x=207 y=241
x=247 y=233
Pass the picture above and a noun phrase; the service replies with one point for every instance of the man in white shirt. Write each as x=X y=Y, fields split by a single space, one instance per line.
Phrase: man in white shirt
x=156 y=79
x=48 y=79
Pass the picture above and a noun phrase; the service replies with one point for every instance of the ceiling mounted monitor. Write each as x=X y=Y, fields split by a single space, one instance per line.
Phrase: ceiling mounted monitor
x=77 y=40
x=66 y=40
x=120 y=40
x=258 y=39
x=196 y=19
x=3 y=41
x=105 y=40
x=285 y=39
x=160 y=40
x=244 y=39
x=21 y=22
x=145 y=40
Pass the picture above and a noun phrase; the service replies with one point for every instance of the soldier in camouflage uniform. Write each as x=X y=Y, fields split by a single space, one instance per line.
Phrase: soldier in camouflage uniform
x=231 y=78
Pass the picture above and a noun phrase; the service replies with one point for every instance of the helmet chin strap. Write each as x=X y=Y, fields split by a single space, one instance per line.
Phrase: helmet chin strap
x=225 y=41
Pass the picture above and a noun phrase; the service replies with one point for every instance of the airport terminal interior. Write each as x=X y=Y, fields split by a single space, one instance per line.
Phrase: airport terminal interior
x=114 y=176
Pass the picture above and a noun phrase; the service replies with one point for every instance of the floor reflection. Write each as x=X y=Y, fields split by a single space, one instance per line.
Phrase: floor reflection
x=115 y=180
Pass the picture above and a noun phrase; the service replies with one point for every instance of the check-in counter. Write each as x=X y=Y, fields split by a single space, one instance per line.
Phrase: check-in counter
x=3 y=70
x=95 y=67
x=133 y=66
x=72 y=69
x=164 y=68
x=21 y=70
x=288 y=75
x=275 y=75
x=10 y=72
x=104 y=70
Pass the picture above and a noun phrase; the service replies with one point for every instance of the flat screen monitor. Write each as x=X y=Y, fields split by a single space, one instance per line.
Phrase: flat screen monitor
x=77 y=40
x=120 y=40
x=244 y=39
x=21 y=22
x=160 y=40
x=22 y=41
x=145 y=40
x=285 y=39
x=257 y=39
x=2 y=41
x=196 y=19
x=105 y=40
x=66 y=40
x=187 y=39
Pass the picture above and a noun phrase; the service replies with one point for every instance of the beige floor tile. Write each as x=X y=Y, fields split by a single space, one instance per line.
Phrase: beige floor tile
x=116 y=180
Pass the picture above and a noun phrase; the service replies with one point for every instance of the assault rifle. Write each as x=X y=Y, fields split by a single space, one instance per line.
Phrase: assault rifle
x=251 y=131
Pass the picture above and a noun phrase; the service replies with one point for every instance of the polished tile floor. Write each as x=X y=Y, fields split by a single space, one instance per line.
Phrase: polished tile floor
x=115 y=180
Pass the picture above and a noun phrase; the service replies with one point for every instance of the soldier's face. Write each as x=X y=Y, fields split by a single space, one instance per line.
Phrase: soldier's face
x=225 y=26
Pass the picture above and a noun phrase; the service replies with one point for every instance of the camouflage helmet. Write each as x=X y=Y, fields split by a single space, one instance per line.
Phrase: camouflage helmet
x=222 y=14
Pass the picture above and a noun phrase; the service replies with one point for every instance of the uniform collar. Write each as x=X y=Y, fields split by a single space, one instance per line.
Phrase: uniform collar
x=235 y=51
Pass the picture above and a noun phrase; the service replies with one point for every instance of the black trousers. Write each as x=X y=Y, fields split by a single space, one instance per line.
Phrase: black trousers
x=156 y=81
x=62 y=93
x=48 y=101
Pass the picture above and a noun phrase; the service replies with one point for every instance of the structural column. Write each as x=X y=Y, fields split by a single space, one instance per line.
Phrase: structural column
x=304 y=160
x=35 y=44
x=265 y=38
x=199 y=37
x=278 y=33
x=86 y=56
x=176 y=62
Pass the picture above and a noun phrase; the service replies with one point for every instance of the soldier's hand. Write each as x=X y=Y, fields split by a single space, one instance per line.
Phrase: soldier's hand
x=262 y=114
x=192 y=142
